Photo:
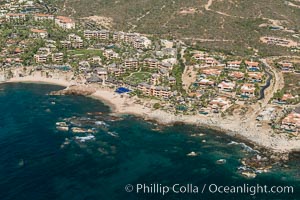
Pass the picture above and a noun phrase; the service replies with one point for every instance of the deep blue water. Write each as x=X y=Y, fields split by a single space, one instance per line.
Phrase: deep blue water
x=36 y=164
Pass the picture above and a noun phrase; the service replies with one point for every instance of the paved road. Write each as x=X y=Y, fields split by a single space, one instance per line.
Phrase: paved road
x=268 y=83
x=277 y=81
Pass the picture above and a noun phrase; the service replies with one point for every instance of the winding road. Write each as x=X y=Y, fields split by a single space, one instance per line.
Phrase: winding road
x=263 y=88
x=276 y=83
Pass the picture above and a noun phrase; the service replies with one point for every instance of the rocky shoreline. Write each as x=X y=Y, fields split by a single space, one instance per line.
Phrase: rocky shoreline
x=261 y=162
x=245 y=130
x=75 y=90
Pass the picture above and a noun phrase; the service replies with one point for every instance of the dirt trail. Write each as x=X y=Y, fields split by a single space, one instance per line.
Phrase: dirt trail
x=209 y=3
x=293 y=5
x=188 y=77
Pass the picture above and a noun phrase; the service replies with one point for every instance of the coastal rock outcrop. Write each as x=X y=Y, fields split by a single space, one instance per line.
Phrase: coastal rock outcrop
x=75 y=90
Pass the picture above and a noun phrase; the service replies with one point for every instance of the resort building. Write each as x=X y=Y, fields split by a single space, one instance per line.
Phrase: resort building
x=157 y=91
x=58 y=57
x=41 y=58
x=131 y=37
x=110 y=54
x=11 y=17
x=131 y=63
x=101 y=34
x=74 y=41
x=287 y=97
x=96 y=59
x=248 y=90
x=255 y=77
x=226 y=86
x=220 y=102
x=252 y=66
x=165 y=65
x=155 y=79
x=291 y=123
x=142 y=43
x=211 y=72
x=206 y=82
x=94 y=79
x=36 y=33
x=73 y=36
x=172 y=80
x=237 y=75
x=66 y=44
x=200 y=56
x=119 y=36
x=164 y=72
x=42 y=17
x=116 y=71
x=151 y=62
x=233 y=65
x=286 y=66
x=209 y=61
x=64 y=22
x=101 y=72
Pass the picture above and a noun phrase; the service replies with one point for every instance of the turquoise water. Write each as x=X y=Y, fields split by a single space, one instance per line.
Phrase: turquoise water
x=39 y=162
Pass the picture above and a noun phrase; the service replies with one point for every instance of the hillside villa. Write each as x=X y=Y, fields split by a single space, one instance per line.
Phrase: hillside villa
x=248 y=90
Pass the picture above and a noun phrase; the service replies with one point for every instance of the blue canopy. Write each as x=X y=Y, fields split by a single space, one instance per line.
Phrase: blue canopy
x=122 y=90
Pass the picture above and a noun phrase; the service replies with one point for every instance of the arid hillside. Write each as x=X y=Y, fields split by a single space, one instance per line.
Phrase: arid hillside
x=228 y=25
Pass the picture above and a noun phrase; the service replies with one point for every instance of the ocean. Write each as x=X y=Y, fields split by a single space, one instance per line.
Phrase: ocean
x=116 y=157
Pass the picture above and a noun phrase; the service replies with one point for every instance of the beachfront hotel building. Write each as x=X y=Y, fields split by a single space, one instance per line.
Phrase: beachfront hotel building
x=157 y=91
x=41 y=58
x=101 y=72
x=58 y=57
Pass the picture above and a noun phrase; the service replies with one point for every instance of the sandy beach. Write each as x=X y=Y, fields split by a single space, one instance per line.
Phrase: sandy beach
x=122 y=104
